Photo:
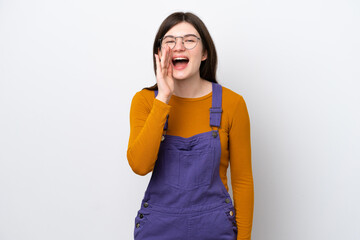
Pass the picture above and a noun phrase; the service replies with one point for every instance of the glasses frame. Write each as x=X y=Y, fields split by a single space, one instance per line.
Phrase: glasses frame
x=182 y=37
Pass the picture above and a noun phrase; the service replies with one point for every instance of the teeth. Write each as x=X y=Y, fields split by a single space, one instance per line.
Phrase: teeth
x=179 y=58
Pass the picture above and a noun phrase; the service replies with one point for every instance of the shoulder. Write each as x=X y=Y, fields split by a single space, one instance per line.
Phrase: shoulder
x=234 y=106
x=144 y=98
x=231 y=98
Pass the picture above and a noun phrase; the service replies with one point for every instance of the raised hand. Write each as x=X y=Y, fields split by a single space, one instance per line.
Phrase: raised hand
x=164 y=78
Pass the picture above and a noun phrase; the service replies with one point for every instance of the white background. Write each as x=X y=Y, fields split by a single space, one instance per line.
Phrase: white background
x=68 y=72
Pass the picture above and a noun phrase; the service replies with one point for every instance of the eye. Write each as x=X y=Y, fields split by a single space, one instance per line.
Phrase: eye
x=190 y=39
x=168 y=40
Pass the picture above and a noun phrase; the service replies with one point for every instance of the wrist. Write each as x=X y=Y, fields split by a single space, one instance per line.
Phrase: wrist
x=163 y=98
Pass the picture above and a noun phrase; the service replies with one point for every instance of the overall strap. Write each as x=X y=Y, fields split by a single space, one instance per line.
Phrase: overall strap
x=216 y=110
x=166 y=123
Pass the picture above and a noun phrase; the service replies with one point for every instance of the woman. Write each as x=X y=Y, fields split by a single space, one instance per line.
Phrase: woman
x=187 y=147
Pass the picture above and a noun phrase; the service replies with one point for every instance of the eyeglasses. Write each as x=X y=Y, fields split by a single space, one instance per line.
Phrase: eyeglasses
x=190 y=41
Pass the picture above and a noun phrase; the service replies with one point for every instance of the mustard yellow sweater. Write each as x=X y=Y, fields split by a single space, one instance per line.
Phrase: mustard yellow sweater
x=190 y=116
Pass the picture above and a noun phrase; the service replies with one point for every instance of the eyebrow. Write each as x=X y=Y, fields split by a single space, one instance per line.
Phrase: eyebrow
x=190 y=34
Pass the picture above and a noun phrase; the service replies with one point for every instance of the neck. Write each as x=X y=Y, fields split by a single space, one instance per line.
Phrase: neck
x=192 y=87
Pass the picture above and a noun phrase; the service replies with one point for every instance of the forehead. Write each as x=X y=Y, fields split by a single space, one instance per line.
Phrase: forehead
x=182 y=28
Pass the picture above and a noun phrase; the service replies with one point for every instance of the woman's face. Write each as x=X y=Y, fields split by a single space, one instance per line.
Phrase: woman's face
x=191 y=68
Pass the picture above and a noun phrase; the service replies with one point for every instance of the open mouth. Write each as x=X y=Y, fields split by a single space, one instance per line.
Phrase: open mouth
x=180 y=62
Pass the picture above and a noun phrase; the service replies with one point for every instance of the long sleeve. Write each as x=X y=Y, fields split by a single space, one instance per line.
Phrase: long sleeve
x=188 y=117
x=241 y=169
x=147 y=121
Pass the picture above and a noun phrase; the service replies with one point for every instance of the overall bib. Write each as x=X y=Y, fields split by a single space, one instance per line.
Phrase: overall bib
x=185 y=198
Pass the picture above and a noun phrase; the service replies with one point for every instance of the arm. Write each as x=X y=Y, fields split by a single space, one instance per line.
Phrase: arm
x=241 y=170
x=146 y=128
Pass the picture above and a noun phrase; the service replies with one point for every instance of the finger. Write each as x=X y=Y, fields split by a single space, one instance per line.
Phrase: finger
x=170 y=58
x=163 y=57
x=167 y=56
x=157 y=61
x=171 y=66
x=170 y=70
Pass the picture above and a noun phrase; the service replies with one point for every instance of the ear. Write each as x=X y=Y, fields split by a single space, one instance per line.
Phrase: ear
x=204 y=56
x=159 y=53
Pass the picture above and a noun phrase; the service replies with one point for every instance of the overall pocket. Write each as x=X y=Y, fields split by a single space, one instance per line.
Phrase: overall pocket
x=229 y=213
x=188 y=170
x=141 y=221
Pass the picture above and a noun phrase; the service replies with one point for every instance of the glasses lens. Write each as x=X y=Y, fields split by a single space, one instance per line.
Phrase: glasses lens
x=190 y=42
x=168 y=41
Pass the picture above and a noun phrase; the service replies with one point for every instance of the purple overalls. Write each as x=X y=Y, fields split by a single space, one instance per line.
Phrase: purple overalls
x=186 y=199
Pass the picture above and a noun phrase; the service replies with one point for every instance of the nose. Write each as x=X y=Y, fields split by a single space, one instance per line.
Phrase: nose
x=179 y=44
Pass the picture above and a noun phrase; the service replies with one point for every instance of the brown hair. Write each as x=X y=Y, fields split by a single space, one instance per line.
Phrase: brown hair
x=208 y=66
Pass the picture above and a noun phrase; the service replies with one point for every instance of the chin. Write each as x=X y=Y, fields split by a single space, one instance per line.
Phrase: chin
x=180 y=76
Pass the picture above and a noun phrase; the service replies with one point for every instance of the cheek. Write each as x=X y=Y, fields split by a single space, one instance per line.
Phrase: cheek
x=197 y=61
x=197 y=57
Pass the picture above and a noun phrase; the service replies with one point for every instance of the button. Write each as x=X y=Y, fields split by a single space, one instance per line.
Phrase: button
x=146 y=204
x=214 y=134
x=231 y=213
x=137 y=225
x=162 y=138
x=227 y=200
x=141 y=215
